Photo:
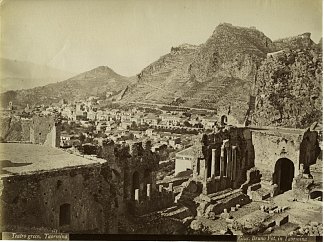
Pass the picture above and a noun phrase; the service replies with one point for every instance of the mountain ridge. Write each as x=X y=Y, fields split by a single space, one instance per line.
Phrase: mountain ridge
x=220 y=74
x=97 y=81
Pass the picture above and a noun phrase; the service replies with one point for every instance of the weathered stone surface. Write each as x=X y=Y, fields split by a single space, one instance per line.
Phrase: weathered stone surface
x=36 y=200
x=282 y=219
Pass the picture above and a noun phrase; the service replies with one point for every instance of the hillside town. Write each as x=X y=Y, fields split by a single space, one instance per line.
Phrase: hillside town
x=85 y=124
x=206 y=130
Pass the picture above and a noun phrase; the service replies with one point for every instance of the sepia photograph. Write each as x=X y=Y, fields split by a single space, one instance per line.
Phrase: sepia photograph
x=161 y=120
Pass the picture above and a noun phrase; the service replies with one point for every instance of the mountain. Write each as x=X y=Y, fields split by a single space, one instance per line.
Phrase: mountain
x=225 y=73
x=216 y=74
x=238 y=71
x=289 y=89
x=91 y=83
x=21 y=74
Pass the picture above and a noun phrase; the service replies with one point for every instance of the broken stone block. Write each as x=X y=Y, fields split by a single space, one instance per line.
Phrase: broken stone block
x=292 y=233
x=225 y=215
x=254 y=187
x=212 y=215
x=222 y=231
x=269 y=230
x=233 y=209
x=238 y=206
x=314 y=223
x=282 y=220
x=229 y=220
x=269 y=223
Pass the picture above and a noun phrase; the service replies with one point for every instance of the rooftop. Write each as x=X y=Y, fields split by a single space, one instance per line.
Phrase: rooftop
x=19 y=159
x=186 y=152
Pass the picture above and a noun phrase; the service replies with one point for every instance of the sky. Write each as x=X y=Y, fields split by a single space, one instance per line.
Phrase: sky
x=128 y=35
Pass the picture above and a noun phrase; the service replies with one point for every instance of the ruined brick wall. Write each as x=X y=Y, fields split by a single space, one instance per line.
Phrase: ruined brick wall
x=309 y=148
x=270 y=147
x=45 y=131
x=137 y=159
x=157 y=201
x=233 y=153
x=35 y=201
x=135 y=167
x=25 y=129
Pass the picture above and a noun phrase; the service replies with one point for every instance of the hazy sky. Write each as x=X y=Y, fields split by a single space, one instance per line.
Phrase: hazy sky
x=127 y=35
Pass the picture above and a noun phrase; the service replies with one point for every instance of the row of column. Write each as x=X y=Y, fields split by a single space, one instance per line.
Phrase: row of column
x=149 y=191
x=227 y=163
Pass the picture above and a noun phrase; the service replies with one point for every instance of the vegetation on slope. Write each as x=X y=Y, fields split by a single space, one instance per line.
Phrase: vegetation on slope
x=289 y=89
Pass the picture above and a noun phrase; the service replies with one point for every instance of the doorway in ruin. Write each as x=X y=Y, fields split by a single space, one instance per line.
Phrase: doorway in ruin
x=284 y=174
x=135 y=182
x=65 y=214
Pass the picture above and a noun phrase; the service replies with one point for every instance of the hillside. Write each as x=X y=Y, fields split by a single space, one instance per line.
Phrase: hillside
x=164 y=79
x=289 y=89
x=226 y=72
x=21 y=74
x=217 y=74
x=91 y=83
x=221 y=73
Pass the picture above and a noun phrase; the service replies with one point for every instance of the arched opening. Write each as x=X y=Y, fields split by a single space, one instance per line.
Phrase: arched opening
x=136 y=183
x=317 y=195
x=284 y=174
x=65 y=214
x=223 y=120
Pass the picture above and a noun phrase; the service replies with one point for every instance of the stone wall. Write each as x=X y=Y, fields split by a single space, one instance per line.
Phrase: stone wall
x=44 y=130
x=270 y=147
x=25 y=129
x=36 y=200
x=299 y=147
x=37 y=130
x=222 y=158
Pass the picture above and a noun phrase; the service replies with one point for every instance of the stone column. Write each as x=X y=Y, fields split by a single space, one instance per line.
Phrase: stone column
x=160 y=188
x=171 y=187
x=148 y=190
x=234 y=161
x=229 y=162
x=221 y=163
x=137 y=195
x=213 y=163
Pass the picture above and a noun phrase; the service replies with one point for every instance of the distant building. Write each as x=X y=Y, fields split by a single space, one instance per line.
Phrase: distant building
x=149 y=132
x=184 y=159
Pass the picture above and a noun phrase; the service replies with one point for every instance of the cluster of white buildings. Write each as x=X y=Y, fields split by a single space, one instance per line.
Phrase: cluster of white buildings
x=89 y=111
